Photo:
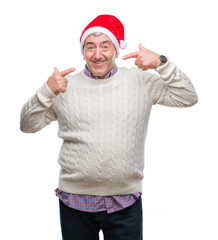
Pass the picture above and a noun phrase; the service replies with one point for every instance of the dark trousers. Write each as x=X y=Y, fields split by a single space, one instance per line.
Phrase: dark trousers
x=126 y=224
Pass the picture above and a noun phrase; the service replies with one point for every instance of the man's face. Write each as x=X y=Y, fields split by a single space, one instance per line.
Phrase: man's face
x=100 y=54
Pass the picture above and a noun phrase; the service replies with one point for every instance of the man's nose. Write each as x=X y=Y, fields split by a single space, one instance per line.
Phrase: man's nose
x=98 y=53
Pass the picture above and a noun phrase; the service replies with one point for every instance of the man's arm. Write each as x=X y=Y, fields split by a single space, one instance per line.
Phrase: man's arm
x=171 y=87
x=37 y=112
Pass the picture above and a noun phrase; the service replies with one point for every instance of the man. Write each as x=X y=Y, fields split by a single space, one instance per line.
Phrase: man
x=103 y=114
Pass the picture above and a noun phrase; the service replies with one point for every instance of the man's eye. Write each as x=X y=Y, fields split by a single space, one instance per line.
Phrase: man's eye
x=105 y=47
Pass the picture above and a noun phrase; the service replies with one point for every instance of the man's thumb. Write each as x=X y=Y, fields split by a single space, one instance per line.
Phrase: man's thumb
x=141 y=47
x=55 y=70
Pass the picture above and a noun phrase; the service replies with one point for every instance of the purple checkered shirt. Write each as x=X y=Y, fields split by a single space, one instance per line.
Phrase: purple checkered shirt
x=92 y=203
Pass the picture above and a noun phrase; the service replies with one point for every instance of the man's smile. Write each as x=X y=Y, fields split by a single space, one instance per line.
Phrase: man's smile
x=96 y=62
x=99 y=63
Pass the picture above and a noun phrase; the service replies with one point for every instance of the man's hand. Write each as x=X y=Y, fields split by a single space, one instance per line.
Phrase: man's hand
x=57 y=83
x=145 y=59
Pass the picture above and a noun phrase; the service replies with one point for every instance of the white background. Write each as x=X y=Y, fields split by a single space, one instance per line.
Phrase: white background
x=180 y=184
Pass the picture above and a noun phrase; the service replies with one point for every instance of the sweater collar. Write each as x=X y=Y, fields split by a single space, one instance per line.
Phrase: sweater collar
x=92 y=75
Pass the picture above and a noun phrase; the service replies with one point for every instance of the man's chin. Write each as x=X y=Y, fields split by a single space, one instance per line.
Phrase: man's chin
x=99 y=74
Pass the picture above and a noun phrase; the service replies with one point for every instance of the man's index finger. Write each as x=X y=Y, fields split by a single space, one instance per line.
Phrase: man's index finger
x=66 y=72
x=131 y=55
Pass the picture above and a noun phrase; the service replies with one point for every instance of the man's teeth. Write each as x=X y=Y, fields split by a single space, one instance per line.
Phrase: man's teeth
x=98 y=62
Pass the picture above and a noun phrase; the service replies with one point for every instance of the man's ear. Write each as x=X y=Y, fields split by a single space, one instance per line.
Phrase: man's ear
x=84 y=52
x=116 y=54
x=84 y=58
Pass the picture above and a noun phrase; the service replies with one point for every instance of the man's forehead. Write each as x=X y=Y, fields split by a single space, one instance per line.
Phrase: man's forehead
x=93 y=38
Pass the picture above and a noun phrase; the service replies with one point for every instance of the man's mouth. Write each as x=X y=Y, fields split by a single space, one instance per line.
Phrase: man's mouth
x=98 y=62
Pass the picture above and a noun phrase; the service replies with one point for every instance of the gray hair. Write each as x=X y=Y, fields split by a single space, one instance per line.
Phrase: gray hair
x=96 y=33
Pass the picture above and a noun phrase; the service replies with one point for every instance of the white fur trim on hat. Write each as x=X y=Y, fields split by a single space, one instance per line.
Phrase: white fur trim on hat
x=101 y=30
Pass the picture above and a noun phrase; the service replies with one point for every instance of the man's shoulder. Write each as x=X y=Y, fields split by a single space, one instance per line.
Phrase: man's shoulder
x=137 y=72
x=126 y=69
x=75 y=75
x=75 y=79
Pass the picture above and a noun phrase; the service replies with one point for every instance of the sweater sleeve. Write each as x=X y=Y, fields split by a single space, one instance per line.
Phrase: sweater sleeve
x=37 y=112
x=171 y=87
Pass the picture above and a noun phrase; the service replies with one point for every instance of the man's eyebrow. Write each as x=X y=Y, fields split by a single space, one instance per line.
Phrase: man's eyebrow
x=89 y=43
x=106 y=42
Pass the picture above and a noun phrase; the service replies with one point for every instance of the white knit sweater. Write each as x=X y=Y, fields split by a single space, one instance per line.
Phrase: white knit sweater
x=103 y=124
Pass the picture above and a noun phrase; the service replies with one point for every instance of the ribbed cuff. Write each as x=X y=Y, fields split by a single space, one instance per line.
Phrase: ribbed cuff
x=166 y=70
x=45 y=95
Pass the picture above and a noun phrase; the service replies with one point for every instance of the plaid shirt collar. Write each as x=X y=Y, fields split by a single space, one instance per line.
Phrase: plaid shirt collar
x=92 y=75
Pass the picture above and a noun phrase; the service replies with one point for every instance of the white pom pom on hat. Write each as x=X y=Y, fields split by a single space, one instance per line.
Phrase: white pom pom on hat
x=108 y=25
x=123 y=44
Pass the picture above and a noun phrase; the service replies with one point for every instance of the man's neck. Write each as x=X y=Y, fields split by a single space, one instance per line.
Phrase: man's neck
x=108 y=75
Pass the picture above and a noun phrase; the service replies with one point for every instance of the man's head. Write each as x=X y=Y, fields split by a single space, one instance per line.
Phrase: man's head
x=100 y=54
x=100 y=50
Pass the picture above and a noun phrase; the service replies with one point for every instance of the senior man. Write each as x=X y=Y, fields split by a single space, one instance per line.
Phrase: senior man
x=103 y=114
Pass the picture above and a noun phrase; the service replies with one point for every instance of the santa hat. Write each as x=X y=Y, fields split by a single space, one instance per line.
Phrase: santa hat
x=108 y=25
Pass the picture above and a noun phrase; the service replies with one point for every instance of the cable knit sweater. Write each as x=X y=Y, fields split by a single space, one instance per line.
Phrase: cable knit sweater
x=103 y=124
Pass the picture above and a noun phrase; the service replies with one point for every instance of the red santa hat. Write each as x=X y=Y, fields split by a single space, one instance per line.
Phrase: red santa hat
x=108 y=25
